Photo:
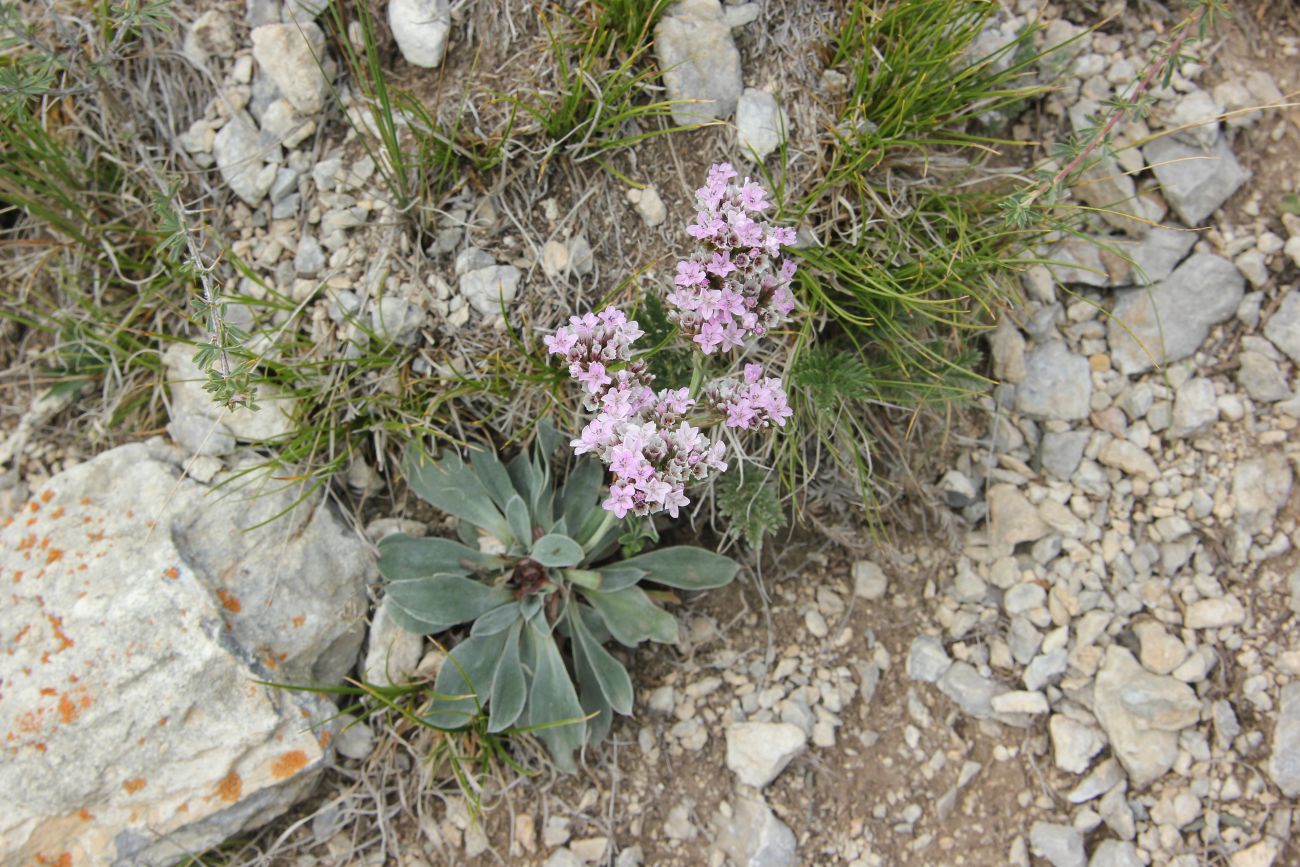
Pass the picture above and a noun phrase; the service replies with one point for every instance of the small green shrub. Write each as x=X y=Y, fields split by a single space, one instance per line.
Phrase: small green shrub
x=535 y=573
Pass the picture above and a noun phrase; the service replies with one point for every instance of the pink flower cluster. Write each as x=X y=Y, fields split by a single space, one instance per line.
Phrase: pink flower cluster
x=733 y=289
x=734 y=286
x=752 y=403
x=593 y=342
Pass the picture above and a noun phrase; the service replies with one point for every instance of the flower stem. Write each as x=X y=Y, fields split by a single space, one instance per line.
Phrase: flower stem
x=599 y=534
x=697 y=373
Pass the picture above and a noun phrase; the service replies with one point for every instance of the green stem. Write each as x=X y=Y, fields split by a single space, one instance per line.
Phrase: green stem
x=599 y=534
x=697 y=373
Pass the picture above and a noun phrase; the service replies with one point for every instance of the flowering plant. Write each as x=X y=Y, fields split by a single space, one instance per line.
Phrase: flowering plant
x=734 y=287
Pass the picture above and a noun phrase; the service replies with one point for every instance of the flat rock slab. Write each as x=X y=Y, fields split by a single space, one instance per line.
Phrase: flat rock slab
x=139 y=613
x=1167 y=322
x=1195 y=181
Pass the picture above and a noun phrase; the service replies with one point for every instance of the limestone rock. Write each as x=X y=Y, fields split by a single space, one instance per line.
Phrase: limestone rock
x=1141 y=714
x=754 y=837
x=1194 y=181
x=292 y=55
x=1057 y=384
x=487 y=289
x=145 y=606
x=1284 y=763
x=271 y=421
x=1012 y=520
x=1169 y=321
x=761 y=124
x=1261 y=486
x=700 y=61
x=757 y=752
x=1283 y=327
x=421 y=28
x=241 y=159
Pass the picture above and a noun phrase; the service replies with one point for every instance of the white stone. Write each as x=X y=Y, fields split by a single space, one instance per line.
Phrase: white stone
x=700 y=62
x=292 y=55
x=761 y=124
x=421 y=28
x=757 y=752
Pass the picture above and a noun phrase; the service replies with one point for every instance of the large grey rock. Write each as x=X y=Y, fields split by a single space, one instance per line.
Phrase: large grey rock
x=140 y=608
x=1057 y=383
x=242 y=160
x=486 y=289
x=754 y=837
x=421 y=28
x=757 y=752
x=1061 y=845
x=1195 y=181
x=1168 y=322
x=273 y=420
x=1283 y=327
x=761 y=124
x=1261 y=486
x=292 y=56
x=699 y=61
x=1284 y=763
x=1141 y=714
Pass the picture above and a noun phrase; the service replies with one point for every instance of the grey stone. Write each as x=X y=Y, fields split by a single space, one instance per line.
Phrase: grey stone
x=1261 y=486
x=1141 y=714
x=738 y=15
x=211 y=35
x=1073 y=743
x=1196 y=407
x=754 y=837
x=421 y=28
x=398 y=320
x=1024 y=597
x=309 y=258
x=283 y=125
x=1007 y=346
x=1284 y=762
x=869 y=580
x=926 y=659
x=1106 y=776
x=1012 y=520
x=1155 y=256
x=1160 y=652
x=761 y=124
x=487 y=289
x=1104 y=184
x=291 y=56
x=1061 y=845
x=972 y=692
x=355 y=739
x=958 y=490
x=1123 y=455
x=1060 y=453
x=1046 y=668
x=581 y=260
x=392 y=653
x=200 y=434
x=1078 y=261
x=158 y=603
x=1194 y=181
x=259 y=12
x=473 y=259
x=1283 y=327
x=700 y=61
x=757 y=752
x=272 y=421
x=1261 y=378
x=241 y=159
x=648 y=205
x=1115 y=853
x=1169 y=321
x=1057 y=383
x=1195 y=119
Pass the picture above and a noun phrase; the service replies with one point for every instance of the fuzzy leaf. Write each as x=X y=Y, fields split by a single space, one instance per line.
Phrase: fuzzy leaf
x=610 y=674
x=445 y=600
x=619 y=576
x=468 y=671
x=450 y=485
x=401 y=556
x=631 y=617
x=592 y=698
x=581 y=494
x=521 y=527
x=684 y=567
x=556 y=552
x=554 y=712
x=584 y=578
x=509 y=689
x=492 y=473
x=497 y=620
x=409 y=622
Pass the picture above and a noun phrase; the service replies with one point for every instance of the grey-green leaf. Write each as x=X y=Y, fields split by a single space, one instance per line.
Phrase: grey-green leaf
x=468 y=671
x=508 y=687
x=554 y=712
x=401 y=556
x=450 y=485
x=492 y=473
x=521 y=526
x=631 y=617
x=556 y=552
x=446 y=600
x=618 y=576
x=581 y=494
x=497 y=620
x=609 y=672
x=685 y=567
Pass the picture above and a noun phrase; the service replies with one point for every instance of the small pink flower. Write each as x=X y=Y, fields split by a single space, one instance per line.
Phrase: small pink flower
x=620 y=500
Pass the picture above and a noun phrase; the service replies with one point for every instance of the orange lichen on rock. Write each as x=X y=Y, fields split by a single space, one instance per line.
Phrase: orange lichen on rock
x=85 y=814
x=230 y=787
x=133 y=785
x=63 y=859
x=228 y=602
x=57 y=513
x=288 y=764
x=172 y=572
x=46 y=496
x=297 y=621
x=53 y=556
x=56 y=624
